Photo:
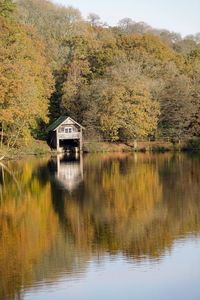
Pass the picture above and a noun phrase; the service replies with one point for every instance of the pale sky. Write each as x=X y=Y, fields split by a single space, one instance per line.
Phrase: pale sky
x=182 y=16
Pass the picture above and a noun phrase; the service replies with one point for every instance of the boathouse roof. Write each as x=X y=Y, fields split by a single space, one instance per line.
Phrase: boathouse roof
x=59 y=121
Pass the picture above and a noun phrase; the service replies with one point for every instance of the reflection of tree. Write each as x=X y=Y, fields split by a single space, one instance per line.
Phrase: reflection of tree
x=33 y=247
x=26 y=220
x=134 y=204
x=130 y=205
x=180 y=180
x=115 y=205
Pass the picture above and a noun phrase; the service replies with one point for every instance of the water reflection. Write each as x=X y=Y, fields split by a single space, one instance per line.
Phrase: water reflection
x=56 y=221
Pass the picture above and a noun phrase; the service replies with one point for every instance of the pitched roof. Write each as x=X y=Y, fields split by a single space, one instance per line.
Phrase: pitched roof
x=59 y=121
x=56 y=123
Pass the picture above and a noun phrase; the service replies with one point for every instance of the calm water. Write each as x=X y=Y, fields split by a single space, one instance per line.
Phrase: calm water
x=113 y=226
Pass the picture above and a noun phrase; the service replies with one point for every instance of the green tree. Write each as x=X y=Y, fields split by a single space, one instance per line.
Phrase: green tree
x=71 y=103
x=120 y=106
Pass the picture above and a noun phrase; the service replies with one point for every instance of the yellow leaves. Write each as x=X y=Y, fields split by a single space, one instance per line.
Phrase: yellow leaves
x=109 y=127
x=147 y=44
x=28 y=225
x=25 y=78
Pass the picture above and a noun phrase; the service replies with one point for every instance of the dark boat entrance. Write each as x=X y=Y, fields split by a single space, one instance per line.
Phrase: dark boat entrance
x=69 y=145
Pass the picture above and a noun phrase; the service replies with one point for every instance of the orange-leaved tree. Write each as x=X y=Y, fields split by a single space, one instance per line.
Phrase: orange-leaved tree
x=25 y=81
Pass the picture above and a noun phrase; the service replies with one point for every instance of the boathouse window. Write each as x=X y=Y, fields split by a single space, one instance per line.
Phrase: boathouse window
x=62 y=129
x=68 y=130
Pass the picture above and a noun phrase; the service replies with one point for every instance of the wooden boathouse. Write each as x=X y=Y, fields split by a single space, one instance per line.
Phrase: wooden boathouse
x=65 y=133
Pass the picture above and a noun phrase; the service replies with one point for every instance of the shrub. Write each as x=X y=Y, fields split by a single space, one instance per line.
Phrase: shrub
x=193 y=144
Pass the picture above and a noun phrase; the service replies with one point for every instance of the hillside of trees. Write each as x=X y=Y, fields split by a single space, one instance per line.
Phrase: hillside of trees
x=125 y=82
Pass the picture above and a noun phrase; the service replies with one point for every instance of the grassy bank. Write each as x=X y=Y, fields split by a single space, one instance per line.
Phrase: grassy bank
x=144 y=146
x=36 y=147
x=127 y=147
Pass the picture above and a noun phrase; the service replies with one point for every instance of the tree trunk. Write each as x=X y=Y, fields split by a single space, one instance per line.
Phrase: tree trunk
x=135 y=144
x=2 y=133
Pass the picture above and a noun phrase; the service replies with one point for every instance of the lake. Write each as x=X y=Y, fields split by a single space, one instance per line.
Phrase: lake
x=100 y=226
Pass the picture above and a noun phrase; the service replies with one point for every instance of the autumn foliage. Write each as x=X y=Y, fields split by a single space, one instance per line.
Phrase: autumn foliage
x=26 y=80
x=125 y=82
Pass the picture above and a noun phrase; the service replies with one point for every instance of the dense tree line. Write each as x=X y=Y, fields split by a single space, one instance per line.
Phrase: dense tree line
x=123 y=82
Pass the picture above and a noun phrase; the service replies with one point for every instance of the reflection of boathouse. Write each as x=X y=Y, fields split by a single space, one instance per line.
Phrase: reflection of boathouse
x=65 y=133
x=69 y=171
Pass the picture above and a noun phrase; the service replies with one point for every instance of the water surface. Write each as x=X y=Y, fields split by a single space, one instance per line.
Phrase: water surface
x=106 y=226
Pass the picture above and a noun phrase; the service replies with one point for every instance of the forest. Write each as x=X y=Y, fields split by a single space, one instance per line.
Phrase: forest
x=122 y=83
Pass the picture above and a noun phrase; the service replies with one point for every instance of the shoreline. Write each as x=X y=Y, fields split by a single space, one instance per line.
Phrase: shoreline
x=41 y=148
